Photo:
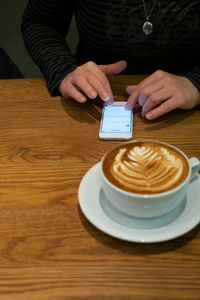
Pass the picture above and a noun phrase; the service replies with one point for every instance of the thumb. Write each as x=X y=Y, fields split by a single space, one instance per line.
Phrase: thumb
x=115 y=68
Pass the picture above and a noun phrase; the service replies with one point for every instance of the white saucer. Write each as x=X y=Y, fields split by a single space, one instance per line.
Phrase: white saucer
x=103 y=215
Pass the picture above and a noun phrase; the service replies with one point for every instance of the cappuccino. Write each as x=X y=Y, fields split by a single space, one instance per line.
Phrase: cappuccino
x=145 y=167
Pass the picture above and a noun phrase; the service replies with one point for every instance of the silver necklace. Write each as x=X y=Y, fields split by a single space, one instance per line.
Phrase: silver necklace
x=148 y=26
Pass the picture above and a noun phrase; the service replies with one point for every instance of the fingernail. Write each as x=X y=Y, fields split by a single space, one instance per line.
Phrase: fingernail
x=93 y=96
x=105 y=97
x=83 y=99
x=149 y=115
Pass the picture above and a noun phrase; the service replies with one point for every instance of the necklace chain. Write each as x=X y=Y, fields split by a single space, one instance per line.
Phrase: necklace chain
x=148 y=26
x=145 y=10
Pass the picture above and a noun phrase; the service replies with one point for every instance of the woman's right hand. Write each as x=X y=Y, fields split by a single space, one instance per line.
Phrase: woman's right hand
x=90 y=80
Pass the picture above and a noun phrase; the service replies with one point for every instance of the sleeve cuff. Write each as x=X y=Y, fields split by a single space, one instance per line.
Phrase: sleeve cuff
x=53 y=84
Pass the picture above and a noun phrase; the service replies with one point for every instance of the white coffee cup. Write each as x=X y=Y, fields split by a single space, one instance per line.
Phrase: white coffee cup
x=150 y=205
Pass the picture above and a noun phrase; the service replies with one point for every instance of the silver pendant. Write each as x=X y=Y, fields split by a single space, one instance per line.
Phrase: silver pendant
x=147 y=27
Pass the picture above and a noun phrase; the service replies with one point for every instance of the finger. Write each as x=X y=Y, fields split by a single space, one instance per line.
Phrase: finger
x=115 y=68
x=151 y=88
x=144 y=90
x=82 y=83
x=130 y=88
x=134 y=97
x=155 y=99
x=98 y=72
x=105 y=88
x=103 y=92
x=131 y=101
x=142 y=99
x=72 y=92
x=151 y=79
x=164 y=108
x=111 y=98
x=142 y=96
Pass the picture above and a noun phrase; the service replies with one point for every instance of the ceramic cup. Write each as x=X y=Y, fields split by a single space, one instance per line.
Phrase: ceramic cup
x=143 y=204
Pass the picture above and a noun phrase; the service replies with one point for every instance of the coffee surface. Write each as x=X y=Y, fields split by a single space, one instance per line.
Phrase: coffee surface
x=145 y=167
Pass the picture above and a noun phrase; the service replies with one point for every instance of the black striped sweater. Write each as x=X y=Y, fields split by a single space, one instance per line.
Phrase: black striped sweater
x=110 y=31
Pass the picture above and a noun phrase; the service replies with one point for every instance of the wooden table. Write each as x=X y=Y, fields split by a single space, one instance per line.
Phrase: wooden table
x=48 y=249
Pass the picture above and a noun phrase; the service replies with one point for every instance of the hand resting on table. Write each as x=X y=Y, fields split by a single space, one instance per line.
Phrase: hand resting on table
x=162 y=92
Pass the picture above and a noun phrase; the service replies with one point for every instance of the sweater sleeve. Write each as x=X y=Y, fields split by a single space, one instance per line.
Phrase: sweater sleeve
x=194 y=76
x=45 y=24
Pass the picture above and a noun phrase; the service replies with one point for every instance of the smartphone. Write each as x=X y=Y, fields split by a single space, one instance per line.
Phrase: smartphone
x=116 y=122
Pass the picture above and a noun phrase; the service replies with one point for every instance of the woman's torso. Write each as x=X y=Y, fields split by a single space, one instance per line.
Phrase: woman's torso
x=112 y=30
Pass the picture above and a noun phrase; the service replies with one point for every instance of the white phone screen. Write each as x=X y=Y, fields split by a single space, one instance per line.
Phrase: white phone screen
x=116 y=122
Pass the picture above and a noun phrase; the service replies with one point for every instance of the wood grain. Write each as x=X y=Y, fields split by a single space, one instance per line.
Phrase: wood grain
x=48 y=249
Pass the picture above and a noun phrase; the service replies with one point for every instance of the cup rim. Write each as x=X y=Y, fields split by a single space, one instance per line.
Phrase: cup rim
x=153 y=195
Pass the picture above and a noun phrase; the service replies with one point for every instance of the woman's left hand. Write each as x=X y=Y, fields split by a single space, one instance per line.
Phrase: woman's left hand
x=162 y=92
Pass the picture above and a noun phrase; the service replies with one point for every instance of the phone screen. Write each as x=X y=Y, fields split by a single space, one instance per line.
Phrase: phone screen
x=116 y=119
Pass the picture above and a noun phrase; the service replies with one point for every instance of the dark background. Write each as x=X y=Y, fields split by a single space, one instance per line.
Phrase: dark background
x=11 y=40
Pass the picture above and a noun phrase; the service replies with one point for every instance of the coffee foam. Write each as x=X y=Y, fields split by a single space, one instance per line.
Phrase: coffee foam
x=145 y=167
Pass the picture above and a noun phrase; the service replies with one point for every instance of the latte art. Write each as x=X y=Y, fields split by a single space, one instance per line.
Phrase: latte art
x=144 y=167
